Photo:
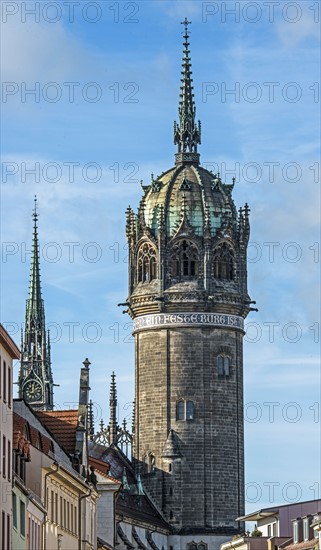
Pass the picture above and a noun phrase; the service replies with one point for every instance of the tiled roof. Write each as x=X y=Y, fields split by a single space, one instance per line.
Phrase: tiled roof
x=35 y=438
x=62 y=424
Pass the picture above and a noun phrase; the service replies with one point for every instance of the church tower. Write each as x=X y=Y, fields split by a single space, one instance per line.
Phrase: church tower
x=188 y=299
x=35 y=376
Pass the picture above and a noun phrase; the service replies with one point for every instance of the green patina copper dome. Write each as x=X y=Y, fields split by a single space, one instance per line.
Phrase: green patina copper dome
x=201 y=194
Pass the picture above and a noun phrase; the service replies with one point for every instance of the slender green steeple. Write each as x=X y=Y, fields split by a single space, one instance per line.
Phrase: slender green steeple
x=35 y=307
x=35 y=376
x=187 y=134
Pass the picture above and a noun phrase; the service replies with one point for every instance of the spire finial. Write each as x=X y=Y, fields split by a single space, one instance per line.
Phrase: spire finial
x=186 y=23
x=113 y=410
x=187 y=135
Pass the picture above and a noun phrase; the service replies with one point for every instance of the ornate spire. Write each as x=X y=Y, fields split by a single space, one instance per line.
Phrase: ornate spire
x=187 y=134
x=35 y=304
x=113 y=411
x=35 y=375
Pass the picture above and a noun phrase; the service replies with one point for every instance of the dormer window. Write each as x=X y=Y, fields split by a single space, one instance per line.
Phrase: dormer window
x=297 y=531
x=307 y=534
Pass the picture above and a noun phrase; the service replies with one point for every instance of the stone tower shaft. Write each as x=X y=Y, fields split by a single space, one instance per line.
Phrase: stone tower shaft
x=188 y=298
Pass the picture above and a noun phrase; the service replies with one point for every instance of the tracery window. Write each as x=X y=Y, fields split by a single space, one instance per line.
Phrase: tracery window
x=224 y=262
x=223 y=365
x=184 y=260
x=184 y=410
x=146 y=264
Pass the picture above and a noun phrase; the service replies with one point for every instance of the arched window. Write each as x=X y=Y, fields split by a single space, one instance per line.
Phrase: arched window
x=184 y=260
x=180 y=410
x=224 y=262
x=189 y=410
x=149 y=460
x=223 y=365
x=184 y=410
x=146 y=264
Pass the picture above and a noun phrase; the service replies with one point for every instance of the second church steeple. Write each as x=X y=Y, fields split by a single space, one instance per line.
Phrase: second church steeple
x=35 y=376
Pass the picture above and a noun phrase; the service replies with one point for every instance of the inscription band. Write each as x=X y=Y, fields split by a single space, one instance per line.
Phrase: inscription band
x=167 y=320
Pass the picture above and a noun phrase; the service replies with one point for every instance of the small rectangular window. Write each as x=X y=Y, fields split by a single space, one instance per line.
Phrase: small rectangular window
x=56 y=507
x=72 y=518
x=3 y=530
x=9 y=388
x=295 y=532
x=4 y=381
x=9 y=460
x=14 y=510
x=68 y=517
x=22 y=518
x=8 y=532
x=61 y=513
x=4 y=449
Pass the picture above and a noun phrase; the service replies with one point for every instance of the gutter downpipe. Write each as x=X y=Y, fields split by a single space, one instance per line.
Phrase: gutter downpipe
x=45 y=503
x=115 y=496
x=79 y=516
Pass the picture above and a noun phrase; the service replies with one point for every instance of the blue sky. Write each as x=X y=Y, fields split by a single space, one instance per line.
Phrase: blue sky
x=106 y=87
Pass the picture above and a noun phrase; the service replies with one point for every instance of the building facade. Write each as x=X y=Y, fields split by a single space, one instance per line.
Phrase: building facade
x=188 y=298
x=8 y=353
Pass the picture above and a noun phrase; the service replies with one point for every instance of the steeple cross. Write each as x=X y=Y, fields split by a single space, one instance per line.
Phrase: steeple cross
x=35 y=211
x=186 y=23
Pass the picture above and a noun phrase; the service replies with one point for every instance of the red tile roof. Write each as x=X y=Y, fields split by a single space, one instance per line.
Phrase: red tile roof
x=62 y=425
x=26 y=435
